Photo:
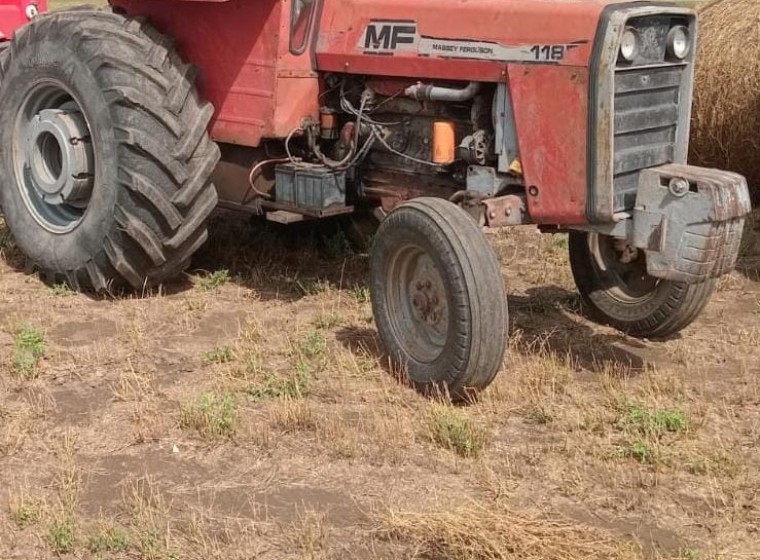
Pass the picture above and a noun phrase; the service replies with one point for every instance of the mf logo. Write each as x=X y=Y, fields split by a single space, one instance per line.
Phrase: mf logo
x=388 y=36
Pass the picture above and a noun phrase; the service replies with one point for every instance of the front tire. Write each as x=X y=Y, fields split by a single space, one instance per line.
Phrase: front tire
x=438 y=297
x=616 y=289
x=107 y=160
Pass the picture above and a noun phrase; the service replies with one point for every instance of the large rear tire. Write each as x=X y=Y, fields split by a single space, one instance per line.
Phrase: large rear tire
x=438 y=297
x=107 y=161
x=616 y=289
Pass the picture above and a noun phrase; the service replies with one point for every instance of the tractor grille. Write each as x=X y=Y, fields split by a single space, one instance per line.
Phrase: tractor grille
x=645 y=124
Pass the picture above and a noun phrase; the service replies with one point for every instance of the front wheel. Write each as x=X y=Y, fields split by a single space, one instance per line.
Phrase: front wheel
x=612 y=279
x=438 y=297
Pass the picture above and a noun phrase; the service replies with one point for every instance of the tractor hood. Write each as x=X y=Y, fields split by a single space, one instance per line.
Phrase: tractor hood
x=420 y=38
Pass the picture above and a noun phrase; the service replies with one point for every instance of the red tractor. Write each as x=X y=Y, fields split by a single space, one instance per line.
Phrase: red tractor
x=441 y=118
x=15 y=13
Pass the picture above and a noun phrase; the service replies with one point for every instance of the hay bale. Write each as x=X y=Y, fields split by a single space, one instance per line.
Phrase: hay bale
x=725 y=124
x=726 y=115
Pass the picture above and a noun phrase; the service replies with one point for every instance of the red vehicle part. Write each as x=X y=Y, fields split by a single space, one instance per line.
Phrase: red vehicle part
x=261 y=90
x=15 y=13
x=241 y=49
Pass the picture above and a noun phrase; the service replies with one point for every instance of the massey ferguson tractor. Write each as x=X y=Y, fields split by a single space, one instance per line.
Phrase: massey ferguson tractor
x=122 y=129
x=15 y=13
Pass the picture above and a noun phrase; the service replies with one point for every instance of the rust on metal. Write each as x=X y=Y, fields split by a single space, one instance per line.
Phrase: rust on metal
x=506 y=210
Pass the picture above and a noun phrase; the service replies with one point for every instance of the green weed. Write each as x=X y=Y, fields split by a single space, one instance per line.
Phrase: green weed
x=61 y=535
x=213 y=416
x=276 y=385
x=212 y=282
x=108 y=539
x=654 y=423
x=641 y=451
x=559 y=241
x=24 y=514
x=314 y=345
x=218 y=355
x=28 y=349
x=452 y=430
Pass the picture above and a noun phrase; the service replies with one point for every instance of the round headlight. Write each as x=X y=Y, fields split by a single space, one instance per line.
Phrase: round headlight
x=629 y=46
x=32 y=11
x=679 y=42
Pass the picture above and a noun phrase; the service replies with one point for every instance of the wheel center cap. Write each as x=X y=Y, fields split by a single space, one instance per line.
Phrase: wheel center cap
x=59 y=155
x=426 y=302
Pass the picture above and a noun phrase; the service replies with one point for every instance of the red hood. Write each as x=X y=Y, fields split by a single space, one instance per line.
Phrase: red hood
x=495 y=30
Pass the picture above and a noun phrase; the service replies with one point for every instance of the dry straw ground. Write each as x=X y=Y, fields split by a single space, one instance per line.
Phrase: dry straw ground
x=247 y=412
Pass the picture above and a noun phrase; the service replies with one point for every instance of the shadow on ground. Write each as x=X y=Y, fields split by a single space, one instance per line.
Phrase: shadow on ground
x=285 y=262
x=545 y=320
x=277 y=261
x=548 y=319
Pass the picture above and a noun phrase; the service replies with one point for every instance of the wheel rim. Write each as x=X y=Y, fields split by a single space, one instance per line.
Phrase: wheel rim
x=622 y=268
x=416 y=299
x=53 y=157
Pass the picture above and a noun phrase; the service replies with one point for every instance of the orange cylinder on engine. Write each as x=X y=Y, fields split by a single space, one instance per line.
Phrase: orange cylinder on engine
x=444 y=142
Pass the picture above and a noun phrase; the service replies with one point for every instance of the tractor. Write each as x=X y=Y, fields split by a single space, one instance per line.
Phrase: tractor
x=14 y=14
x=122 y=129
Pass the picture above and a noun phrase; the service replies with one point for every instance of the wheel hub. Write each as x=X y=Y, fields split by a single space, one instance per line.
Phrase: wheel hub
x=623 y=268
x=426 y=302
x=59 y=155
x=418 y=303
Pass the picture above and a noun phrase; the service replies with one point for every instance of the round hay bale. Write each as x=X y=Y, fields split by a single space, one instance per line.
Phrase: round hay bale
x=725 y=124
x=726 y=115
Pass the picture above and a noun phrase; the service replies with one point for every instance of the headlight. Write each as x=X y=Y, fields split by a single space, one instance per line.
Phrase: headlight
x=629 y=46
x=679 y=42
x=31 y=11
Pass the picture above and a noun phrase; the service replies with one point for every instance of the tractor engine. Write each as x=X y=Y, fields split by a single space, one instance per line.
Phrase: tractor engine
x=407 y=138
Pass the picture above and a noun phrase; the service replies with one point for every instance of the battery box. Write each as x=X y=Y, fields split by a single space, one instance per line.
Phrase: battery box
x=310 y=187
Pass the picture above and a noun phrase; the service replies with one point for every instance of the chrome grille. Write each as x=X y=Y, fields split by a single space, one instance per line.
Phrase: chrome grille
x=646 y=115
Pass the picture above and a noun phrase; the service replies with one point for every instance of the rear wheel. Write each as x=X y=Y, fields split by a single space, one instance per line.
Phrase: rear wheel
x=613 y=282
x=438 y=297
x=107 y=179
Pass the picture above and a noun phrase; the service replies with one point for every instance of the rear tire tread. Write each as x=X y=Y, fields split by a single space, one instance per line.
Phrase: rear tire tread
x=137 y=69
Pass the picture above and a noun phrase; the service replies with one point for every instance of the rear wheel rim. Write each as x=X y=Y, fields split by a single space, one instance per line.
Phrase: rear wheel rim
x=53 y=157
x=622 y=269
x=416 y=300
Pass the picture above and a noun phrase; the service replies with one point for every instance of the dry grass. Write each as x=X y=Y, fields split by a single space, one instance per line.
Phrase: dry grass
x=494 y=532
x=259 y=419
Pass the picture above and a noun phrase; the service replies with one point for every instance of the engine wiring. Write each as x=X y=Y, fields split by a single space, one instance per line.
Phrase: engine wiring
x=374 y=130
